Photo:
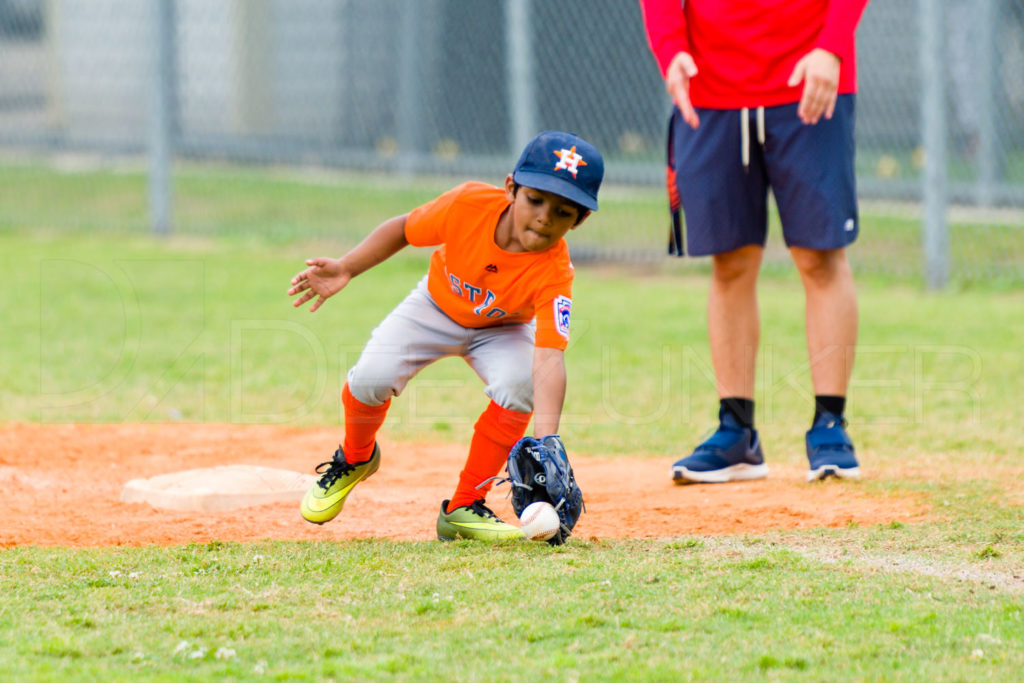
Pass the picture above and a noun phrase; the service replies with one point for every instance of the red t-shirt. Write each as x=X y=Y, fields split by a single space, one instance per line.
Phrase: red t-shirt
x=745 y=50
x=479 y=284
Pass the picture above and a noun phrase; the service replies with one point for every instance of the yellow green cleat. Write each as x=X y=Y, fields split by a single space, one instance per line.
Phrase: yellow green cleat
x=338 y=477
x=476 y=522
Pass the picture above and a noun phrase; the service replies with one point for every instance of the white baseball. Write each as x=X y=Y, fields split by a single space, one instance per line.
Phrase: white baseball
x=539 y=521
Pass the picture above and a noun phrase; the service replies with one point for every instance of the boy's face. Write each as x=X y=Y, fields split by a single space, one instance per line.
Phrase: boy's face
x=539 y=218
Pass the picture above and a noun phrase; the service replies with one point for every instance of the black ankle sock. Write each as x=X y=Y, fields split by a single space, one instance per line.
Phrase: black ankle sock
x=740 y=408
x=828 y=404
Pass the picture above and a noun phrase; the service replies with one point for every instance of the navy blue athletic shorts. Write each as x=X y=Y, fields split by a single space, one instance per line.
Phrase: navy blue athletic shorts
x=723 y=191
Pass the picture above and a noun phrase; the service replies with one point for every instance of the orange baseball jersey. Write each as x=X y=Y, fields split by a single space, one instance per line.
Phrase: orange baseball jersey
x=478 y=284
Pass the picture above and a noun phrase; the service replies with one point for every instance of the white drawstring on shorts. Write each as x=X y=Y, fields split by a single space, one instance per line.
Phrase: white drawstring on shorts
x=745 y=134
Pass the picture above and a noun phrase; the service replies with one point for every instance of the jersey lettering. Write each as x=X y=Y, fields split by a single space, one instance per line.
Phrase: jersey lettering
x=470 y=291
x=479 y=310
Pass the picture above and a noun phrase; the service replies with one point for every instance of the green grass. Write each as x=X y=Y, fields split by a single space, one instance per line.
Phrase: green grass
x=255 y=205
x=908 y=163
x=371 y=610
x=103 y=323
x=202 y=330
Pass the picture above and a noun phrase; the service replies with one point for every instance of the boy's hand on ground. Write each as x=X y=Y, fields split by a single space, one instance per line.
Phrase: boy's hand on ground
x=324 y=278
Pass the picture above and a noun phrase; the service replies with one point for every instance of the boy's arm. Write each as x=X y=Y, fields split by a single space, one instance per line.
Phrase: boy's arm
x=325 y=277
x=548 y=390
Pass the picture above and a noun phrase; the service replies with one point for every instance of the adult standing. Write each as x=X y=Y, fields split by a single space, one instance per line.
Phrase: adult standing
x=764 y=93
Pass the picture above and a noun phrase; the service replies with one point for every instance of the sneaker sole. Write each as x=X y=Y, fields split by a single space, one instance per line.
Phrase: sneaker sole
x=486 y=536
x=740 y=472
x=501 y=539
x=825 y=471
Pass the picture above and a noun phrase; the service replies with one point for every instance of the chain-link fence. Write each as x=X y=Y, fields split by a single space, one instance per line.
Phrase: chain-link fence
x=408 y=88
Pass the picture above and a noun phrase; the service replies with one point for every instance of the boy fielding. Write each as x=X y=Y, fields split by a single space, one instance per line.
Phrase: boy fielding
x=498 y=293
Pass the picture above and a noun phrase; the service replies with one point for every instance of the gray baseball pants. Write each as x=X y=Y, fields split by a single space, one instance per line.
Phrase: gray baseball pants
x=417 y=333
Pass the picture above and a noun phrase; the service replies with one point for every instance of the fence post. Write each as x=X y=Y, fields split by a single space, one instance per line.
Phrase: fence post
x=161 y=117
x=988 y=154
x=252 y=97
x=933 y=124
x=521 y=96
x=420 y=33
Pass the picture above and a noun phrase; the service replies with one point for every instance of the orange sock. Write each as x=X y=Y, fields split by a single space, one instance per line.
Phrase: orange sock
x=361 y=425
x=495 y=433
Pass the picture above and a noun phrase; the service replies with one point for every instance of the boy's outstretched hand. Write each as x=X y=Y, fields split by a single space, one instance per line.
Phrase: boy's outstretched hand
x=324 y=278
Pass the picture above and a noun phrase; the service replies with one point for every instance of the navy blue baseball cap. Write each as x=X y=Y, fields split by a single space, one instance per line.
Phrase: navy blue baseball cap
x=564 y=164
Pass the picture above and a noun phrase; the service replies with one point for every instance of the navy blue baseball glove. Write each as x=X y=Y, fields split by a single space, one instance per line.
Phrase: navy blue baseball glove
x=539 y=470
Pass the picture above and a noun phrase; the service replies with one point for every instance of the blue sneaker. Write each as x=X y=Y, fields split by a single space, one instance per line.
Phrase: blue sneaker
x=830 y=450
x=733 y=453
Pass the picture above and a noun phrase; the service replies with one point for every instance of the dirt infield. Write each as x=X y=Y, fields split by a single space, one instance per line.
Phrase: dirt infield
x=61 y=485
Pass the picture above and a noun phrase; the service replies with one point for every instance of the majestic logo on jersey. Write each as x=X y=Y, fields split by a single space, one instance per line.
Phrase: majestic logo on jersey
x=491 y=268
x=563 y=307
x=569 y=160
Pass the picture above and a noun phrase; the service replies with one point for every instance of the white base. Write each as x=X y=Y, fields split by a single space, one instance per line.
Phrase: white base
x=227 y=487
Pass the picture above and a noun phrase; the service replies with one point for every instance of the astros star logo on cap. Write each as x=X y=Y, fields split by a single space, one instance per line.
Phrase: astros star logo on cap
x=569 y=160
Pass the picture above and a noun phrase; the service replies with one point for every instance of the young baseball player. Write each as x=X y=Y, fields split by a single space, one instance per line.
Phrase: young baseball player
x=498 y=293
